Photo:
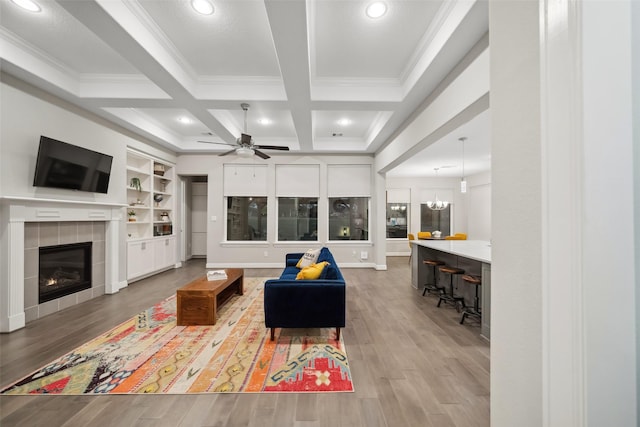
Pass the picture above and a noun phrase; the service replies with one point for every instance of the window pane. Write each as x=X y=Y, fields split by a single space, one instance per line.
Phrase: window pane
x=297 y=218
x=397 y=214
x=431 y=220
x=246 y=218
x=348 y=218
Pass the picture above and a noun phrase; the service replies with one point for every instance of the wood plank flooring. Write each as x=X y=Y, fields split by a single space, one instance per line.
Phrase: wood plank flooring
x=412 y=364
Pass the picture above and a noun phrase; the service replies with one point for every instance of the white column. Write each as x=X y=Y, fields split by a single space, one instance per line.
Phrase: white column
x=516 y=265
x=112 y=253
x=607 y=239
x=379 y=222
x=563 y=349
x=12 y=315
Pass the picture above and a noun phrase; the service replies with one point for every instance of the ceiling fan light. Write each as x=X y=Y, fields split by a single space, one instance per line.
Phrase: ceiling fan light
x=29 y=5
x=376 y=9
x=245 y=152
x=203 y=7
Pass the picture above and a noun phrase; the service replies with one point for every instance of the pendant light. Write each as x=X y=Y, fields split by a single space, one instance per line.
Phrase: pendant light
x=463 y=182
x=437 y=204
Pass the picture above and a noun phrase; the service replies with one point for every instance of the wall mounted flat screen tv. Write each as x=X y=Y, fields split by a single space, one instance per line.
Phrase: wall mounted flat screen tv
x=63 y=165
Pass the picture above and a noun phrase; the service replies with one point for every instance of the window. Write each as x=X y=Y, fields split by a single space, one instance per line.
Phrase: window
x=397 y=214
x=431 y=220
x=348 y=218
x=297 y=218
x=246 y=218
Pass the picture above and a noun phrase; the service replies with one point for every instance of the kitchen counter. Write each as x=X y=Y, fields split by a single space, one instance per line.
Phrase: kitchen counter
x=473 y=256
x=479 y=250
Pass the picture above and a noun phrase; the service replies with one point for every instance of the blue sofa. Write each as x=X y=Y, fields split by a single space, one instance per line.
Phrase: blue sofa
x=319 y=303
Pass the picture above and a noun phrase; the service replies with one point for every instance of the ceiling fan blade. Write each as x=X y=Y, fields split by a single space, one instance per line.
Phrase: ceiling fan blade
x=261 y=154
x=227 y=152
x=219 y=143
x=271 y=147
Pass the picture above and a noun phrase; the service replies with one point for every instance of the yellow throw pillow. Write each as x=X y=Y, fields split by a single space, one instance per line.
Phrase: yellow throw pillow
x=308 y=258
x=311 y=272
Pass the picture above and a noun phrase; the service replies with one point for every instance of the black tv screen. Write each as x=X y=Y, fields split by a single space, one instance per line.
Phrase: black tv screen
x=63 y=165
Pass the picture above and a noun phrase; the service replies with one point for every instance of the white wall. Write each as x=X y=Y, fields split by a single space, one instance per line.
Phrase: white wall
x=221 y=253
x=34 y=113
x=478 y=206
x=27 y=113
x=29 y=117
x=471 y=211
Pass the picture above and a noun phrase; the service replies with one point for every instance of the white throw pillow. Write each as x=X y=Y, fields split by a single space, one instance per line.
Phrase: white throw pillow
x=308 y=258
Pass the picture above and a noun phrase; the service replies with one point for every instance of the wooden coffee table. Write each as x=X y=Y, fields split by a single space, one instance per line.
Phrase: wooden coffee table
x=198 y=301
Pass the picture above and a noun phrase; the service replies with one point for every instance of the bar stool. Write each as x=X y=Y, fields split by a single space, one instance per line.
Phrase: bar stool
x=433 y=287
x=451 y=297
x=475 y=310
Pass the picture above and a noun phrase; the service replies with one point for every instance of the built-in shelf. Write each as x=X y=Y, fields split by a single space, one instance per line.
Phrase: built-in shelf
x=151 y=240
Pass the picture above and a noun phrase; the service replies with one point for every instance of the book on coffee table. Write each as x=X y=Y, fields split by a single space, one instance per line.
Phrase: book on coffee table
x=216 y=275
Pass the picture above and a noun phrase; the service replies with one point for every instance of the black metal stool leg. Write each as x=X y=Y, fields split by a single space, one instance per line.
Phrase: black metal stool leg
x=451 y=297
x=475 y=310
x=433 y=287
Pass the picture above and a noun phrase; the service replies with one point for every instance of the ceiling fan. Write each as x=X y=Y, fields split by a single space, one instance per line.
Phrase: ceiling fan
x=244 y=146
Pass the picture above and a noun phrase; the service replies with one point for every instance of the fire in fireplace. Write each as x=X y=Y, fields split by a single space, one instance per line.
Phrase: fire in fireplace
x=63 y=270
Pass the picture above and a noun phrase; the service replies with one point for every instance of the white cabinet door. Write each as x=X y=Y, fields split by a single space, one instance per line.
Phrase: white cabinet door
x=164 y=253
x=140 y=258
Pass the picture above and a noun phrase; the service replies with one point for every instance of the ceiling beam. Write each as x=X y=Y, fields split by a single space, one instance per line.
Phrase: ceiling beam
x=288 y=22
x=134 y=45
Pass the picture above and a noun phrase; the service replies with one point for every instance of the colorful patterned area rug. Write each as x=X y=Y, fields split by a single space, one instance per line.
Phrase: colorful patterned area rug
x=151 y=354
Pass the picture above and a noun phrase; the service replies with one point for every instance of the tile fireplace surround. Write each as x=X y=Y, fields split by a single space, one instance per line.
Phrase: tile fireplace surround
x=50 y=222
x=44 y=234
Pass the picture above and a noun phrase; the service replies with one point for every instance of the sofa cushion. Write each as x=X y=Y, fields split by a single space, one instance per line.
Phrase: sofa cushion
x=289 y=273
x=325 y=255
x=330 y=272
x=308 y=258
x=311 y=272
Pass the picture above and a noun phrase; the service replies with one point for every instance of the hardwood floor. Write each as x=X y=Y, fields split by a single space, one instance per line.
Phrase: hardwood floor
x=412 y=364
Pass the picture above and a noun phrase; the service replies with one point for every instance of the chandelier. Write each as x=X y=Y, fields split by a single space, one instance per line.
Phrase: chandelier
x=438 y=204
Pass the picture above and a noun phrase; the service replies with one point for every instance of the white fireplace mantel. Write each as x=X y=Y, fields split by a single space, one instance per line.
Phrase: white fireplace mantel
x=14 y=212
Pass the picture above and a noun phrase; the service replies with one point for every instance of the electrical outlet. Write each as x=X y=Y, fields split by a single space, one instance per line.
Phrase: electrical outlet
x=364 y=255
x=266 y=253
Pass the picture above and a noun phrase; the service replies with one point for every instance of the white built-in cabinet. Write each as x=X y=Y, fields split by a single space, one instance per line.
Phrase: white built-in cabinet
x=151 y=243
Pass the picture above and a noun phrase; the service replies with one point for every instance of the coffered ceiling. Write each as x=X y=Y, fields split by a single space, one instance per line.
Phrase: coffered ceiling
x=320 y=75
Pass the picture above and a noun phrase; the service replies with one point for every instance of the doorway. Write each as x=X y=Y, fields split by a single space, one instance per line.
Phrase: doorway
x=194 y=214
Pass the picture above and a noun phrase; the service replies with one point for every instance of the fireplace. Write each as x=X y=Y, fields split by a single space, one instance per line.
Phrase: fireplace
x=63 y=270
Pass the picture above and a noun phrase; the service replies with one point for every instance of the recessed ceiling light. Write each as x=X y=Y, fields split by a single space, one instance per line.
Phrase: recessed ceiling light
x=29 y=5
x=185 y=120
x=344 y=122
x=202 y=6
x=264 y=121
x=376 y=9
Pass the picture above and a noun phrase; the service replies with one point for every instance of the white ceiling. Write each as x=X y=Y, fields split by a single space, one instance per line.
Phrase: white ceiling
x=303 y=65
